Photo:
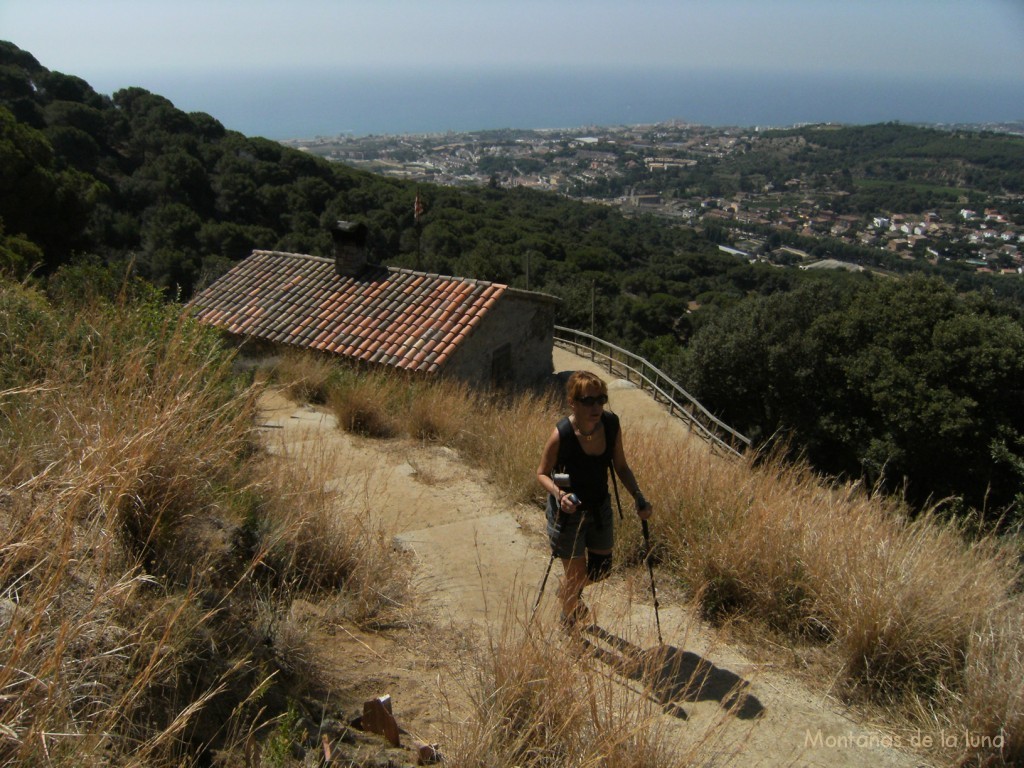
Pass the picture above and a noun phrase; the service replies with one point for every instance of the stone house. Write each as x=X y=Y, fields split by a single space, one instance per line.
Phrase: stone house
x=485 y=333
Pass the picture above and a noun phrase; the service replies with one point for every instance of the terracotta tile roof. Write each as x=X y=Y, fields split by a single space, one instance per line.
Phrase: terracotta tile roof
x=397 y=317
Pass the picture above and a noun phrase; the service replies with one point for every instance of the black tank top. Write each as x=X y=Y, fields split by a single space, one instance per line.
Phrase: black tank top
x=589 y=474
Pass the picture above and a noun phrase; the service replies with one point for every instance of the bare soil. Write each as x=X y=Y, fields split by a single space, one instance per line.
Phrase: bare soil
x=477 y=565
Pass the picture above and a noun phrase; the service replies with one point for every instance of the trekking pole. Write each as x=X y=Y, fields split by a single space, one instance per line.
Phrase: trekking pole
x=540 y=593
x=650 y=570
x=647 y=552
x=562 y=480
x=615 y=485
x=558 y=536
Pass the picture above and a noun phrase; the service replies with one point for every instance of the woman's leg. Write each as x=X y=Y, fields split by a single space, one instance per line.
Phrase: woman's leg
x=599 y=565
x=575 y=579
x=600 y=540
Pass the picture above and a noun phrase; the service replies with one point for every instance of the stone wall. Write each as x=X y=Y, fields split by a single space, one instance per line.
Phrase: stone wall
x=515 y=340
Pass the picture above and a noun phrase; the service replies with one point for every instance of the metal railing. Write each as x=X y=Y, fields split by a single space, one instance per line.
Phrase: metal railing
x=635 y=369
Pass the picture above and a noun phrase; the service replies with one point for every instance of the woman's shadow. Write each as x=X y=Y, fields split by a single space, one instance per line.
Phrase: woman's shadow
x=672 y=675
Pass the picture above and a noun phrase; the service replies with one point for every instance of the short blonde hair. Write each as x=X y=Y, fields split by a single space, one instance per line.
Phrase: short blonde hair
x=581 y=381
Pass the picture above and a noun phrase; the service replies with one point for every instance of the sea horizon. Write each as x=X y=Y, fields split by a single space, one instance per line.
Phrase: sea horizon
x=304 y=105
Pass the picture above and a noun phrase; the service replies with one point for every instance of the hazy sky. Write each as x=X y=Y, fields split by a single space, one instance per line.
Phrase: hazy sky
x=366 y=66
x=116 y=43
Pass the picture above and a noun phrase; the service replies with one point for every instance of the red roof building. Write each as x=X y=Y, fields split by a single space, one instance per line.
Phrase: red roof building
x=483 y=332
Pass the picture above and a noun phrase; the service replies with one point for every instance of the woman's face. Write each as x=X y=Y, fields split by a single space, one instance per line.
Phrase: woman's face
x=588 y=407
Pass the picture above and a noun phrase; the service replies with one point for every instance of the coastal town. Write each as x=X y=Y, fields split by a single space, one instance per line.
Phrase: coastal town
x=688 y=173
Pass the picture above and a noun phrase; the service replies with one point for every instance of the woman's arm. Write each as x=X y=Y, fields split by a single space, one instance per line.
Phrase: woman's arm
x=548 y=458
x=625 y=474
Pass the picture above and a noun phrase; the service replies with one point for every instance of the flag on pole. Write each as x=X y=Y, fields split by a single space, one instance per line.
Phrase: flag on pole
x=417 y=208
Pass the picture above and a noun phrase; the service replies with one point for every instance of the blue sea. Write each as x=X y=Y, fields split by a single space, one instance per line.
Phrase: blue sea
x=308 y=104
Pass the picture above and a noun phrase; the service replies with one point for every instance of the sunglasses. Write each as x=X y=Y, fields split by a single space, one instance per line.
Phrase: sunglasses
x=592 y=400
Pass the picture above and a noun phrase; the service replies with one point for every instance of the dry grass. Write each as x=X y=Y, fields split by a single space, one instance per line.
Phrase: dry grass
x=541 y=701
x=913 y=614
x=435 y=412
x=319 y=531
x=503 y=437
x=917 y=616
x=305 y=377
x=370 y=405
x=146 y=562
x=106 y=464
x=496 y=433
x=990 y=704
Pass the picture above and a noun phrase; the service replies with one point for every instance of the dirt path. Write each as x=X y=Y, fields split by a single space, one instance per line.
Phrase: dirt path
x=478 y=564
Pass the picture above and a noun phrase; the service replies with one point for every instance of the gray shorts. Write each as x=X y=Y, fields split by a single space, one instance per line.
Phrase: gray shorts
x=572 y=535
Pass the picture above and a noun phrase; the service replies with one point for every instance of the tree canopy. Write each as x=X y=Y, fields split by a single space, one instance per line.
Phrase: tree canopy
x=901 y=382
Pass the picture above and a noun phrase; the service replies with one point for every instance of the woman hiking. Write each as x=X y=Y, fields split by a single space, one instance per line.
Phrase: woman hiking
x=580 y=522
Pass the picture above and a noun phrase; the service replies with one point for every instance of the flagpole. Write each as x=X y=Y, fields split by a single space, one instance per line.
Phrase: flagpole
x=417 y=213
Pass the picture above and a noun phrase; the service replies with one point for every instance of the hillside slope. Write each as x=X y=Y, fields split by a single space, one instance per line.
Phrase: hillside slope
x=477 y=566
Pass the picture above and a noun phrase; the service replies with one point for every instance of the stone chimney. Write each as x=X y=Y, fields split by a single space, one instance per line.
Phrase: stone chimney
x=349 y=248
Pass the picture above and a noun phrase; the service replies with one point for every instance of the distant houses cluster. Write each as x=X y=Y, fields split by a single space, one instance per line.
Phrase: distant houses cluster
x=574 y=162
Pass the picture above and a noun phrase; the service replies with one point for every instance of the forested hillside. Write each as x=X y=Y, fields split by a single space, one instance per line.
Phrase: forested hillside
x=986 y=162
x=885 y=379
x=868 y=376
x=131 y=177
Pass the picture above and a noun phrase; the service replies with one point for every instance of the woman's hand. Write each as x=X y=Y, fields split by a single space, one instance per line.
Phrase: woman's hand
x=568 y=503
x=644 y=508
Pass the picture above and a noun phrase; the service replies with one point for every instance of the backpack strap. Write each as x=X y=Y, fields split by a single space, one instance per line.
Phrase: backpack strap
x=565 y=434
x=613 y=435
x=612 y=430
x=565 y=430
x=615 y=485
